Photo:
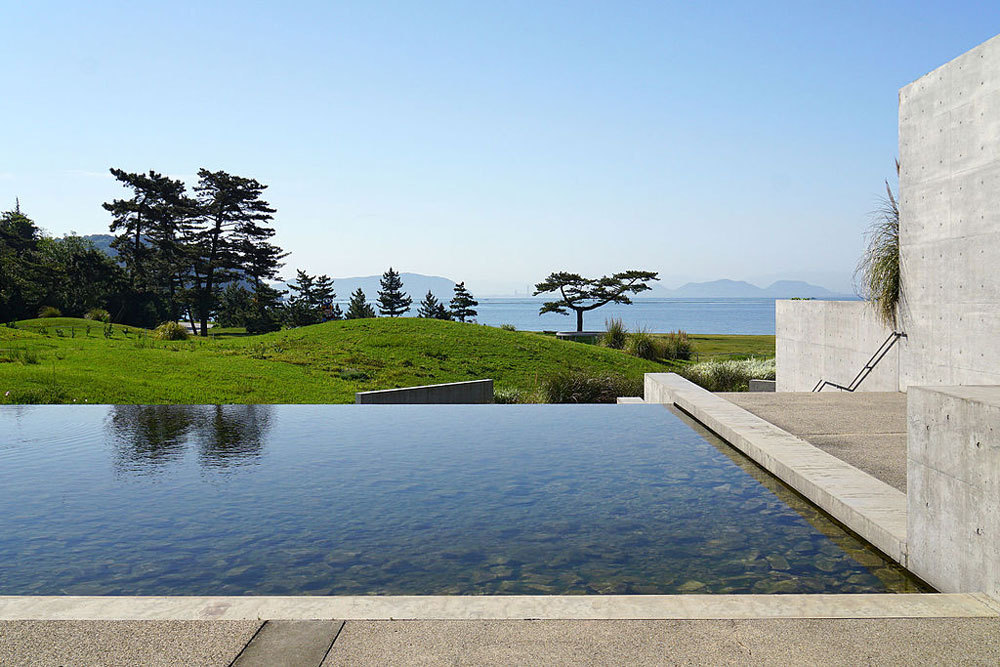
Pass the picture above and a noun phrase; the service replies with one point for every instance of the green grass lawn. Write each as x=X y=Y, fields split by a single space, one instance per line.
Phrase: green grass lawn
x=58 y=360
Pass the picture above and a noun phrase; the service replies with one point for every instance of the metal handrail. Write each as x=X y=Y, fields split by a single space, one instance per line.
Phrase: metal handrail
x=880 y=353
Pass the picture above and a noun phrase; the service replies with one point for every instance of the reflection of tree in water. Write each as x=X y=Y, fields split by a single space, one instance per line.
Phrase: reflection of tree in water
x=150 y=436
x=233 y=434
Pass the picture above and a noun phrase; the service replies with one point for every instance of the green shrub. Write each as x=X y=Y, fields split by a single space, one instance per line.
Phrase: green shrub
x=170 y=331
x=508 y=327
x=582 y=387
x=643 y=345
x=614 y=335
x=49 y=311
x=507 y=395
x=678 y=346
x=731 y=374
x=98 y=315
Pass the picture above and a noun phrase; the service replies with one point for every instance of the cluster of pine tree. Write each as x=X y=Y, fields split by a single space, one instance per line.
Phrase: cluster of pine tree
x=68 y=275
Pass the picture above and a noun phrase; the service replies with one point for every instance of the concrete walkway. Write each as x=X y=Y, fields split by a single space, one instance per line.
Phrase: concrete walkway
x=939 y=641
x=865 y=429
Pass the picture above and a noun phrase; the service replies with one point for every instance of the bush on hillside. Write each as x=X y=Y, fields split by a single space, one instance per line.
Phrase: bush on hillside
x=98 y=315
x=508 y=327
x=170 y=331
x=583 y=387
x=614 y=335
x=645 y=346
x=678 y=346
x=49 y=311
x=731 y=374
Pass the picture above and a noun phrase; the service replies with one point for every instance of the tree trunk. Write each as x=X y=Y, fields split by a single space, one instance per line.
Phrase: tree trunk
x=579 y=320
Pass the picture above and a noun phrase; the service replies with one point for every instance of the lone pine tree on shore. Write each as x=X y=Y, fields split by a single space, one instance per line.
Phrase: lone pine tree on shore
x=462 y=304
x=392 y=300
x=431 y=308
x=582 y=294
x=358 y=307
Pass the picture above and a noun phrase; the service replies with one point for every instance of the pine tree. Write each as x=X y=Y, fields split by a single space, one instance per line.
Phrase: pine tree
x=462 y=304
x=231 y=215
x=358 y=307
x=430 y=307
x=392 y=300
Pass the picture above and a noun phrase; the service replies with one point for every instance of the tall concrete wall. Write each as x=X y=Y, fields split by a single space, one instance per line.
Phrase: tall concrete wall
x=830 y=340
x=949 y=152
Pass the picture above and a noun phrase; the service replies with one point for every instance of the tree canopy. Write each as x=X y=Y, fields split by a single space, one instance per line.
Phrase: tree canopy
x=462 y=303
x=581 y=294
x=392 y=300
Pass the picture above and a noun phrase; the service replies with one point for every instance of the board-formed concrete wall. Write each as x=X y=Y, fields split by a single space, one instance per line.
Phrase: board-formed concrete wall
x=949 y=153
x=830 y=340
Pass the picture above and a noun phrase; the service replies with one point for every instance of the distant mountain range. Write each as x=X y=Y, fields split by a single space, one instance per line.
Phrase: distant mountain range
x=781 y=289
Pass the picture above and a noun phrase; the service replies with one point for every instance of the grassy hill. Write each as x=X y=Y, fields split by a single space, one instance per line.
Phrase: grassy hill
x=66 y=360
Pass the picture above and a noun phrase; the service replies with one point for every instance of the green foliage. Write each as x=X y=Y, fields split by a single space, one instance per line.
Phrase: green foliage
x=614 y=335
x=677 y=345
x=581 y=294
x=508 y=327
x=98 y=315
x=578 y=386
x=730 y=374
x=392 y=301
x=462 y=304
x=644 y=345
x=431 y=308
x=49 y=311
x=358 y=307
x=171 y=331
x=878 y=272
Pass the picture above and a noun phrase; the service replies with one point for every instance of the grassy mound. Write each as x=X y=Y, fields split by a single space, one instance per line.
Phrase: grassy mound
x=324 y=363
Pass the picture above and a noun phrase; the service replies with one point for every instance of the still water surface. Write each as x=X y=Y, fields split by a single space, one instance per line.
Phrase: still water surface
x=321 y=500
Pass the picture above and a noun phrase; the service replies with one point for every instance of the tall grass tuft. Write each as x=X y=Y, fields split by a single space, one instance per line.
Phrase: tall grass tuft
x=615 y=335
x=642 y=344
x=98 y=315
x=678 y=346
x=877 y=275
x=583 y=387
x=731 y=374
x=170 y=331
x=49 y=311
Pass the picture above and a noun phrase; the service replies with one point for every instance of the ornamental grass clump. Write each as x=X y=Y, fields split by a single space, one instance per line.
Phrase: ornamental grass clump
x=615 y=335
x=170 y=331
x=731 y=374
x=49 y=311
x=98 y=315
x=583 y=387
x=644 y=345
x=878 y=273
x=678 y=346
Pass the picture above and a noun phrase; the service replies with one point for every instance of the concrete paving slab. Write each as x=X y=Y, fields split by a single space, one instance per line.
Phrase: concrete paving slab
x=123 y=642
x=866 y=430
x=706 y=642
x=498 y=607
x=290 y=644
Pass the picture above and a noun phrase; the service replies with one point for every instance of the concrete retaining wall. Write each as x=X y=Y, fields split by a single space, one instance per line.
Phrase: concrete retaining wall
x=830 y=340
x=953 y=477
x=475 y=391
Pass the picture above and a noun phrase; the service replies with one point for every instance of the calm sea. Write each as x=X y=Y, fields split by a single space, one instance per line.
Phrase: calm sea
x=707 y=316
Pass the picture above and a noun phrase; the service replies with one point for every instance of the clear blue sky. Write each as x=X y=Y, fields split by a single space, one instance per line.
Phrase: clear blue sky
x=486 y=142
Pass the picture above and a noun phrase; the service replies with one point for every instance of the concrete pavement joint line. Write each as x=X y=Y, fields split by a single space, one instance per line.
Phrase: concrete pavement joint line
x=291 y=643
x=499 y=607
x=866 y=505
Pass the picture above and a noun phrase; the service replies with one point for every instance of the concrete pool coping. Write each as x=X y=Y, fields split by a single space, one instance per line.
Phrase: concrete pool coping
x=868 y=506
x=513 y=607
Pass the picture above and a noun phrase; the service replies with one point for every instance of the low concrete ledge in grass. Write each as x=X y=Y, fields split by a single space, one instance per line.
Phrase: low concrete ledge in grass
x=474 y=391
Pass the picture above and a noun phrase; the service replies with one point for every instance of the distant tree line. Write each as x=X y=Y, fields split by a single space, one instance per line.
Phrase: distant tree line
x=202 y=256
